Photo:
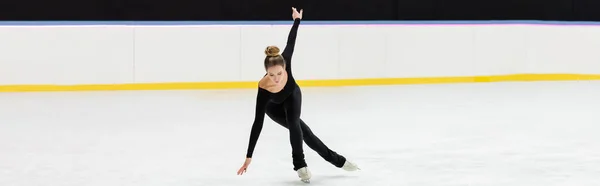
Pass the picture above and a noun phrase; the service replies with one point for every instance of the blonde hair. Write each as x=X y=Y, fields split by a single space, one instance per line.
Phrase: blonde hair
x=272 y=51
x=273 y=58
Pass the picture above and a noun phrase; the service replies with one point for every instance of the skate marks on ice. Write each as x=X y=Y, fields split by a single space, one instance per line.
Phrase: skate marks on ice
x=337 y=179
x=530 y=159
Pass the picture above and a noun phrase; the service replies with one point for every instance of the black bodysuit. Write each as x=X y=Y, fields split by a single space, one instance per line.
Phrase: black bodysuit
x=284 y=108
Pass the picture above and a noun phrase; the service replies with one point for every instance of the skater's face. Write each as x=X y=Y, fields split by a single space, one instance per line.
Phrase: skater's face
x=275 y=73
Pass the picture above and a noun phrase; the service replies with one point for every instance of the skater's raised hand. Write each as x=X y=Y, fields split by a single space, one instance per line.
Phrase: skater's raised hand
x=296 y=14
x=244 y=167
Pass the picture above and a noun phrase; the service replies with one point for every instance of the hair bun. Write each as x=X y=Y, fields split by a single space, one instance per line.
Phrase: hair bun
x=272 y=51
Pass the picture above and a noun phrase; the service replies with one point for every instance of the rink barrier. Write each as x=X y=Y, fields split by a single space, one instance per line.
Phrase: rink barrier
x=304 y=83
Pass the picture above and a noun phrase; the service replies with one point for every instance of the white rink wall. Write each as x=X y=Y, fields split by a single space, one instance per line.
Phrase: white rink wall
x=115 y=54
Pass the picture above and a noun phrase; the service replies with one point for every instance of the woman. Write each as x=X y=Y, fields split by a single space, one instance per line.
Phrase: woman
x=280 y=98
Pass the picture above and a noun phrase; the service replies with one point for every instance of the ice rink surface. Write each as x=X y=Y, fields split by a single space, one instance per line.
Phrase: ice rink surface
x=494 y=134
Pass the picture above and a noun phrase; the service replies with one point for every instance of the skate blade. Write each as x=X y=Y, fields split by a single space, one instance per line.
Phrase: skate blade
x=305 y=181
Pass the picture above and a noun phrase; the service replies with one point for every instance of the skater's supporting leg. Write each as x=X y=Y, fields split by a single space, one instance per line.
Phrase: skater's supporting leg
x=292 y=108
x=277 y=114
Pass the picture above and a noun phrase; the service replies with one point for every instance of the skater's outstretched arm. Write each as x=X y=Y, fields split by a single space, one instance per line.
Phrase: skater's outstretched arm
x=259 y=117
x=288 y=52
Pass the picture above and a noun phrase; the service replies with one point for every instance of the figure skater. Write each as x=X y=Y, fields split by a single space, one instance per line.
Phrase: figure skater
x=280 y=98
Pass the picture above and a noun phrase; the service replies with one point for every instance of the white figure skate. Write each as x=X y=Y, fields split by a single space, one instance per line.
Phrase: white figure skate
x=304 y=174
x=349 y=166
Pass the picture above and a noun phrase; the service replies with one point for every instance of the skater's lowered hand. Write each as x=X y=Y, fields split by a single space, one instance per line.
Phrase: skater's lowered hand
x=245 y=166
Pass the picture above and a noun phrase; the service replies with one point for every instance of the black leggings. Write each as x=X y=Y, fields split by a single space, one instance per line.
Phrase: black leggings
x=287 y=115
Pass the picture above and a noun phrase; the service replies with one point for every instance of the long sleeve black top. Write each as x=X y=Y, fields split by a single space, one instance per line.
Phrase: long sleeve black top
x=264 y=96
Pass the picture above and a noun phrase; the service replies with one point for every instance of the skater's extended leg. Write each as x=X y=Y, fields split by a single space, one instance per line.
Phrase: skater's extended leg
x=276 y=113
x=317 y=145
